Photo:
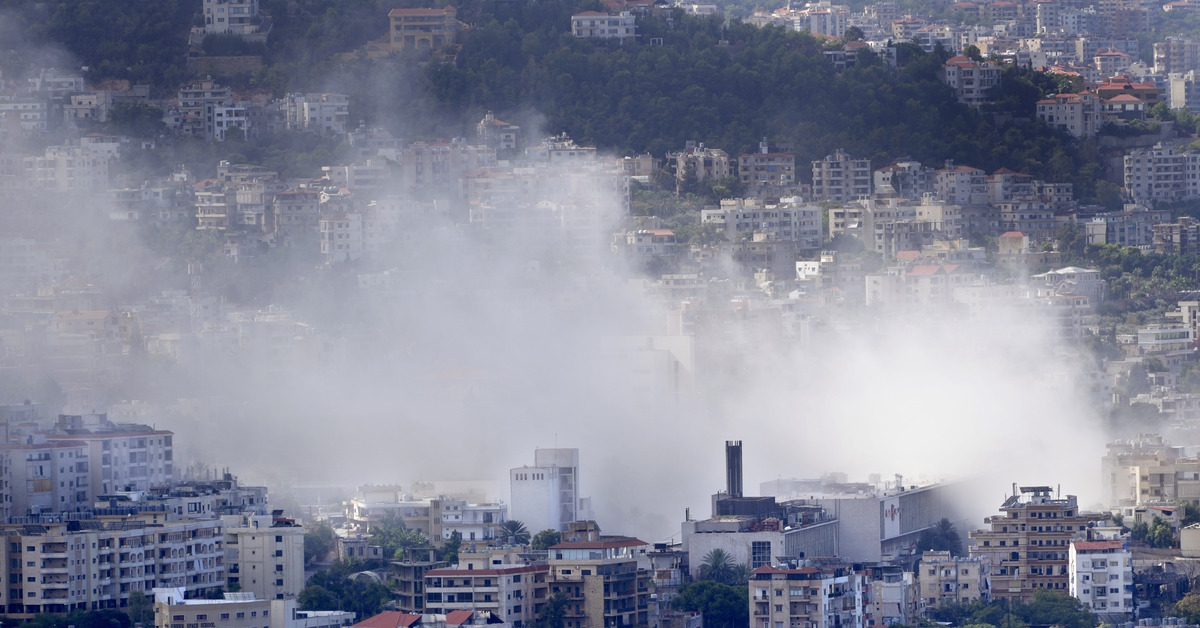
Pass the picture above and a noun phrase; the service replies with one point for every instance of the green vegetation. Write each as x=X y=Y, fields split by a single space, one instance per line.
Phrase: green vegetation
x=318 y=542
x=553 y=613
x=727 y=85
x=942 y=538
x=513 y=532
x=546 y=538
x=1048 y=608
x=1187 y=608
x=337 y=588
x=722 y=605
x=395 y=539
x=1155 y=534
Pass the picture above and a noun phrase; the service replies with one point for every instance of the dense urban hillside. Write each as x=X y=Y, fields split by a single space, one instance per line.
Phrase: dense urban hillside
x=725 y=84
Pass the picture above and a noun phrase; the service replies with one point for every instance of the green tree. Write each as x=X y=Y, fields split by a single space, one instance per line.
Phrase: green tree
x=318 y=542
x=718 y=566
x=553 y=613
x=140 y=608
x=513 y=532
x=1191 y=513
x=546 y=538
x=722 y=605
x=1188 y=608
x=941 y=537
x=449 y=551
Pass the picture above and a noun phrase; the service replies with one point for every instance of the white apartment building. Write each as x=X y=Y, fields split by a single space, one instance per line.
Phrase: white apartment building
x=120 y=457
x=789 y=219
x=43 y=477
x=1076 y=114
x=545 y=496
x=962 y=185
x=341 y=237
x=238 y=17
x=597 y=25
x=972 y=82
x=473 y=522
x=23 y=113
x=319 y=113
x=1162 y=173
x=1101 y=576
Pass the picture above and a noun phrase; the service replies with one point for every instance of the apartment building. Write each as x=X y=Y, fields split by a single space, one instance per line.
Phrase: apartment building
x=237 y=17
x=1077 y=114
x=1101 y=576
x=840 y=177
x=513 y=593
x=172 y=609
x=947 y=579
x=1162 y=173
x=1118 y=468
x=43 y=476
x=423 y=29
x=600 y=581
x=808 y=597
x=94 y=564
x=973 y=82
x=198 y=103
x=296 y=211
x=546 y=495
x=341 y=237
x=1176 y=55
x=320 y=113
x=962 y=185
x=1028 y=543
x=124 y=457
x=264 y=554
x=767 y=169
x=621 y=26
x=435 y=517
x=701 y=162
x=787 y=219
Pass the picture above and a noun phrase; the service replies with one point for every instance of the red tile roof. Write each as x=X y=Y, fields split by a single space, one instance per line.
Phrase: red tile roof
x=390 y=619
x=458 y=618
x=1012 y=234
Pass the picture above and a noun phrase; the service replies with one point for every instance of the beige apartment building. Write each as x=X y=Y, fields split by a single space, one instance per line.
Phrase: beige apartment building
x=95 y=564
x=601 y=582
x=423 y=29
x=807 y=597
x=514 y=593
x=1026 y=546
x=949 y=579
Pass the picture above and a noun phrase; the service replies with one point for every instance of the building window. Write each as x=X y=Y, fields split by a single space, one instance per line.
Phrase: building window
x=760 y=554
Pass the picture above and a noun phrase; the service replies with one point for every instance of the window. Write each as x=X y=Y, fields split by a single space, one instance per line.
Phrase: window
x=760 y=554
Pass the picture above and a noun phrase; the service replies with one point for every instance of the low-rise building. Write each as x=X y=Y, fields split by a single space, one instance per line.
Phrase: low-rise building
x=1101 y=576
x=596 y=25
x=172 y=609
